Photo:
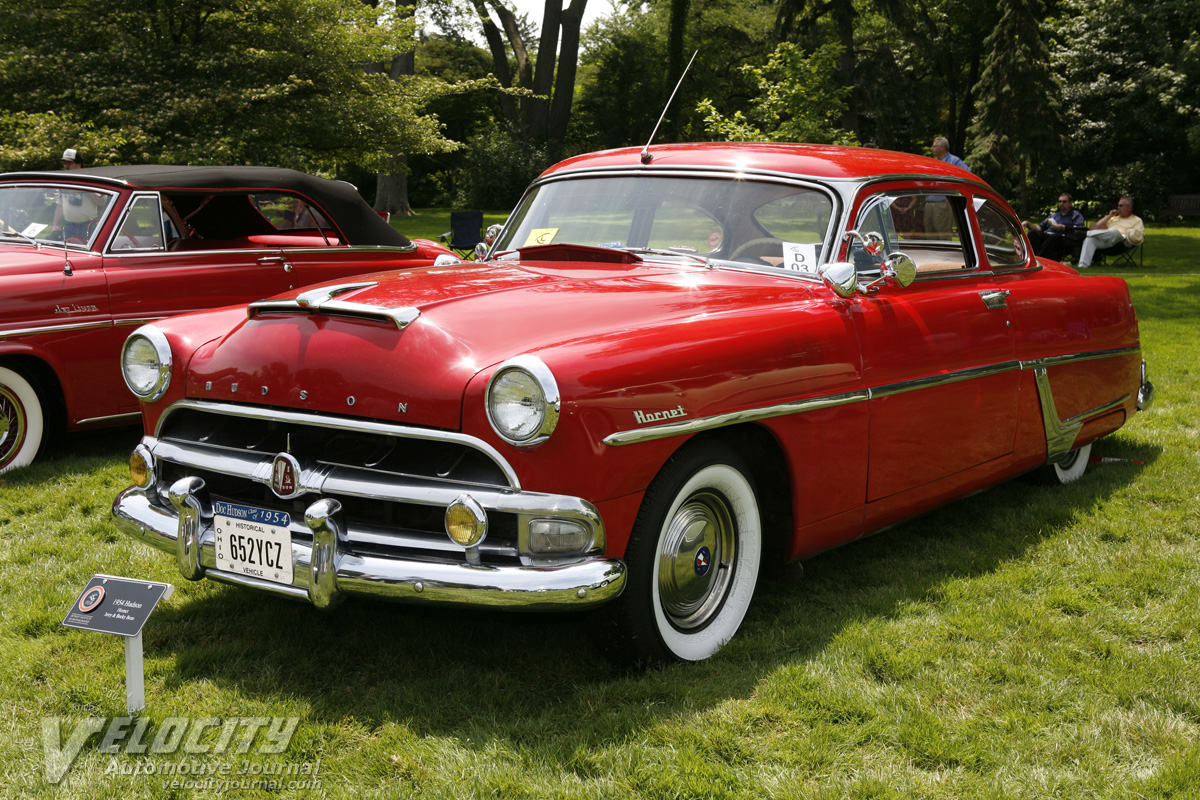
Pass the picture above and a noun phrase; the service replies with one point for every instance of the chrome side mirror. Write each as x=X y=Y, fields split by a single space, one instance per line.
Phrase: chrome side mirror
x=901 y=268
x=840 y=277
x=481 y=251
x=492 y=232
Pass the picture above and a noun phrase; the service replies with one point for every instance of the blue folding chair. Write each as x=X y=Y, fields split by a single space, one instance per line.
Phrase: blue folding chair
x=465 y=232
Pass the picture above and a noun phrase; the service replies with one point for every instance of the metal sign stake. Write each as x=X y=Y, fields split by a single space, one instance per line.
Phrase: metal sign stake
x=135 y=678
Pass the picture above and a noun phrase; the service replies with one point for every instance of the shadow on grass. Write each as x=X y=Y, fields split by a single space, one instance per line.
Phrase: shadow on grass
x=540 y=682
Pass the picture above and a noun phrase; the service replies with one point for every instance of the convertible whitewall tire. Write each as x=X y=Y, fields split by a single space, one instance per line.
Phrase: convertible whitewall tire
x=22 y=420
x=694 y=558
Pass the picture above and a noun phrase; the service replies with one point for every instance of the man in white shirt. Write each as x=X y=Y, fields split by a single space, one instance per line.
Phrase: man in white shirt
x=1119 y=226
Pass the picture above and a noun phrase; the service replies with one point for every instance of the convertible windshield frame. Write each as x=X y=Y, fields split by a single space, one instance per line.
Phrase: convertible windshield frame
x=70 y=215
x=721 y=218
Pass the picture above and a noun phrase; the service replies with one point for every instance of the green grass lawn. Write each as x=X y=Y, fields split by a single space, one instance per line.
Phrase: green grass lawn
x=430 y=223
x=1026 y=642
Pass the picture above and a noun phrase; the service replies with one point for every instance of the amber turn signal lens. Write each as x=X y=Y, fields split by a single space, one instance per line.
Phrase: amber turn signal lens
x=466 y=521
x=141 y=467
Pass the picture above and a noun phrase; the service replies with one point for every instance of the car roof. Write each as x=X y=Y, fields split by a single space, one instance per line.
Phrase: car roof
x=828 y=162
x=357 y=221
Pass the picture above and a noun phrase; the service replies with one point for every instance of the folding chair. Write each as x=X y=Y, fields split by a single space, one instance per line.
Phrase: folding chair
x=1122 y=254
x=465 y=232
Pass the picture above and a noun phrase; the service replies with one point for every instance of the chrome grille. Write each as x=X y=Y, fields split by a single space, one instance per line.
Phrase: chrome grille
x=393 y=488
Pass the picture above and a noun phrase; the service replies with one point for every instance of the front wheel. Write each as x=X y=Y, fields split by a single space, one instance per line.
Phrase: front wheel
x=22 y=421
x=693 y=559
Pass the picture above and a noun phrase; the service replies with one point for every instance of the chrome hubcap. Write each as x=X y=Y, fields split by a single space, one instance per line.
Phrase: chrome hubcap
x=696 y=560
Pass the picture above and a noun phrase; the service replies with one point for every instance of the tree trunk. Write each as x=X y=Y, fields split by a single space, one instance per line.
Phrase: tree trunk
x=564 y=84
x=391 y=187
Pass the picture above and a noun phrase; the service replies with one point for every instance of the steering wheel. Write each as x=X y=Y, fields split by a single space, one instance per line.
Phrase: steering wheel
x=744 y=246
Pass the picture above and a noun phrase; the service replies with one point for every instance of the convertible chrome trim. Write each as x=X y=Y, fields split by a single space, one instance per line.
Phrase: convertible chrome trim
x=813 y=403
x=81 y=326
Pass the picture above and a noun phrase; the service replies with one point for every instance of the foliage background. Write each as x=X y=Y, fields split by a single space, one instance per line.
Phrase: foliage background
x=1099 y=98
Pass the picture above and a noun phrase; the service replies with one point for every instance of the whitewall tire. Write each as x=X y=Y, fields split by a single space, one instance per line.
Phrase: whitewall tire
x=22 y=420
x=693 y=559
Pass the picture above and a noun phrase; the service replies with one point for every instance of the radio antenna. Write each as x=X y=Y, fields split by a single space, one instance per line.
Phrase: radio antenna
x=646 y=157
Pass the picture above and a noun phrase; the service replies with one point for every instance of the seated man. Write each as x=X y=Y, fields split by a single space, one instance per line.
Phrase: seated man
x=1120 y=226
x=1054 y=237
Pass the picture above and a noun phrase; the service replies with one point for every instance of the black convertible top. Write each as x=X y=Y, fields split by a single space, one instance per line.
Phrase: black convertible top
x=359 y=224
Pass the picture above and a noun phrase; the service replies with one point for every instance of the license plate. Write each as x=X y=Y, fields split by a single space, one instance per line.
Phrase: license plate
x=253 y=541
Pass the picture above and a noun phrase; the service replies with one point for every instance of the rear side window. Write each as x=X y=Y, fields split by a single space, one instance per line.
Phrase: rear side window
x=1003 y=243
x=926 y=226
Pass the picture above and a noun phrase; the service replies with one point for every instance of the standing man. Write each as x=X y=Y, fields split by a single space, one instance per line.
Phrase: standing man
x=939 y=216
x=71 y=159
x=1052 y=238
x=1119 y=226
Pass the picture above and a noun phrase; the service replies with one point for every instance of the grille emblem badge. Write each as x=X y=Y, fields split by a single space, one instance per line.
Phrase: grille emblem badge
x=285 y=474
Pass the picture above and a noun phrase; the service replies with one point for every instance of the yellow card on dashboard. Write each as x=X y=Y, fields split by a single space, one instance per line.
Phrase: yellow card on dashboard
x=541 y=236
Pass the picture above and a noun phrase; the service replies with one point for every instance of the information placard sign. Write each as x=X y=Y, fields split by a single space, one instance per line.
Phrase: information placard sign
x=119 y=606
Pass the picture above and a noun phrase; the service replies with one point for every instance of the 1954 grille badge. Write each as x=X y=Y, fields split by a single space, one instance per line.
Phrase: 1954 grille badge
x=285 y=476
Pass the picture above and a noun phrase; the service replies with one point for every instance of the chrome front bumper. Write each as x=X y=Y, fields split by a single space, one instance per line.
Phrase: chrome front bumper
x=326 y=571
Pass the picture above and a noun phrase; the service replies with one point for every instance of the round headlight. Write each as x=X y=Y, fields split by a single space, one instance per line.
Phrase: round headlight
x=146 y=363
x=522 y=401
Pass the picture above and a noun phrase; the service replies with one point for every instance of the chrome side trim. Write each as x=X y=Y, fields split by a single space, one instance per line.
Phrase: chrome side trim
x=130 y=417
x=1050 y=361
x=943 y=379
x=81 y=326
x=733 y=418
x=346 y=424
x=324 y=300
x=1061 y=433
x=813 y=403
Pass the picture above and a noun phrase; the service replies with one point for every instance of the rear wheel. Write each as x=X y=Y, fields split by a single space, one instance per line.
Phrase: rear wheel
x=22 y=420
x=1069 y=470
x=693 y=559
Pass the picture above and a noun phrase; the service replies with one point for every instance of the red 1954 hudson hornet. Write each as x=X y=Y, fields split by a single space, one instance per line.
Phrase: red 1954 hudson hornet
x=638 y=398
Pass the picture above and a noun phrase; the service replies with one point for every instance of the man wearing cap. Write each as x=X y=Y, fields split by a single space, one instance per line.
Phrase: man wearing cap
x=71 y=159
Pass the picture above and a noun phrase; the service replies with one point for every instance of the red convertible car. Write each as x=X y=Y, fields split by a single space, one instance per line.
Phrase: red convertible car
x=88 y=255
x=676 y=368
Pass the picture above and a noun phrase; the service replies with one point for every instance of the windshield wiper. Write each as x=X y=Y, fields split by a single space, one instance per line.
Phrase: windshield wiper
x=658 y=251
x=14 y=233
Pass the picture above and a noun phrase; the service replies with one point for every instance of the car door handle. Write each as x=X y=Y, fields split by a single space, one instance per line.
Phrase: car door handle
x=995 y=299
x=287 y=265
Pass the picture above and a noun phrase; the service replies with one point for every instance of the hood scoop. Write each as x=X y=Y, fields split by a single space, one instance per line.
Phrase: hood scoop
x=325 y=301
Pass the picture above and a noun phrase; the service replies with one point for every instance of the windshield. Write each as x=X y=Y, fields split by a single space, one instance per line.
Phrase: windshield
x=757 y=223
x=52 y=214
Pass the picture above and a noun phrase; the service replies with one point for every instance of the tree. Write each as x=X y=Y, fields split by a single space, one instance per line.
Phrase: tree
x=1131 y=92
x=800 y=100
x=626 y=78
x=543 y=113
x=1018 y=121
x=210 y=81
